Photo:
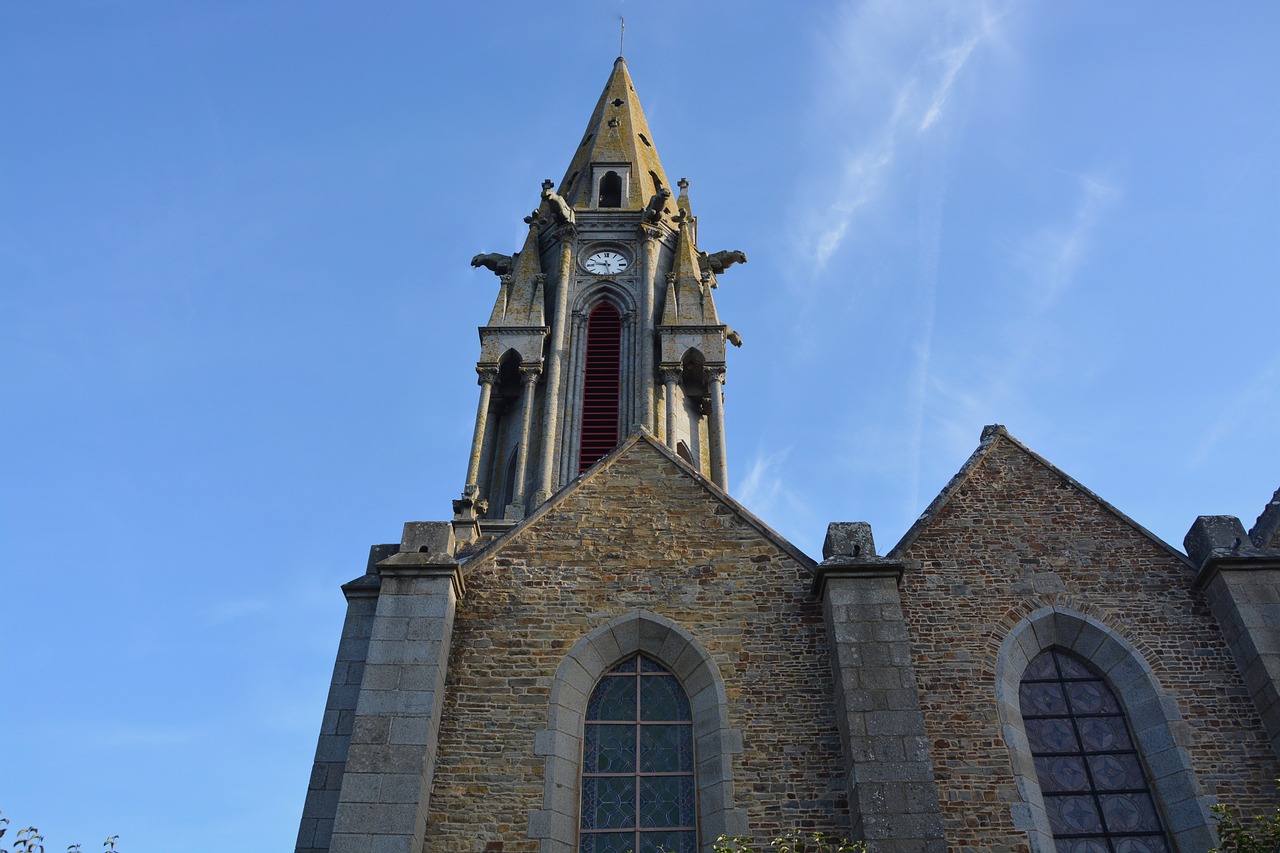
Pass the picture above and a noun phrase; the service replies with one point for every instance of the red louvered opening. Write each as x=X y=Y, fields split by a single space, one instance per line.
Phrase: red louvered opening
x=601 y=385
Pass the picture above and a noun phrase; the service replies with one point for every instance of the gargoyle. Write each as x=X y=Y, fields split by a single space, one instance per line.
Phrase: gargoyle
x=732 y=337
x=495 y=263
x=720 y=261
x=560 y=208
x=654 y=209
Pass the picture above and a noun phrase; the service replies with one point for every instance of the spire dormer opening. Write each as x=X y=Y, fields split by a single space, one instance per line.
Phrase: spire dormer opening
x=611 y=183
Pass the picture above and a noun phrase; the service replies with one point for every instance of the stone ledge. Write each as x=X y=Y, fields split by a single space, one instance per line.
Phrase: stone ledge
x=1215 y=565
x=413 y=565
x=849 y=567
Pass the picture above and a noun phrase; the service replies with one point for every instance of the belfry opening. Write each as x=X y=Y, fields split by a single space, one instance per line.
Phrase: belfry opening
x=601 y=385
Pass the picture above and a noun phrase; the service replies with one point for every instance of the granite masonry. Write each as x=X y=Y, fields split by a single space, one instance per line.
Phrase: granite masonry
x=1027 y=670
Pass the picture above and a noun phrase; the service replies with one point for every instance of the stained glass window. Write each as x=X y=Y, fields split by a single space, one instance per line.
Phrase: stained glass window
x=637 y=763
x=1095 y=789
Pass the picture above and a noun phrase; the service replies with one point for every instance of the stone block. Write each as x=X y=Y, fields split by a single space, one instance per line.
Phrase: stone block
x=381 y=676
x=627 y=633
x=361 y=787
x=371 y=728
x=849 y=539
x=428 y=537
x=653 y=635
x=1216 y=535
x=539 y=823
x=403 y=788
x=895 y=723
x=421 y=677
x=332 y=748
x=411 y=730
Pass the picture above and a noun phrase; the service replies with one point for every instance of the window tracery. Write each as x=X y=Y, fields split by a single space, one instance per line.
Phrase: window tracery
x=638 y=787
x=1091 y=776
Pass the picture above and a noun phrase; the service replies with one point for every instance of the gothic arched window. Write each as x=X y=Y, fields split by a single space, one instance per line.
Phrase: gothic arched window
x=602 y=387
x=1091 y=776
x=638 y=791
x=610 y=190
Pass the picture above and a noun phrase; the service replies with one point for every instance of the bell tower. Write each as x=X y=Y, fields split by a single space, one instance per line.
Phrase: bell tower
x=604 y=324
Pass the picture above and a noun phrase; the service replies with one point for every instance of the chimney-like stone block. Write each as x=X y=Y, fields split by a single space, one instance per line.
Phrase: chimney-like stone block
x=849 y=540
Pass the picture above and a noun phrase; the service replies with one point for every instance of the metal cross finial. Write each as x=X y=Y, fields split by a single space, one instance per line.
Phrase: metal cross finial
x=622 y=33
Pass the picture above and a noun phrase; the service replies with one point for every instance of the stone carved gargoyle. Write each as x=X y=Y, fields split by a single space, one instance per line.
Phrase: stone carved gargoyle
x=495 y=263
x=732 y=337
x=657 y=205
x=718 y=262
x=560 y=208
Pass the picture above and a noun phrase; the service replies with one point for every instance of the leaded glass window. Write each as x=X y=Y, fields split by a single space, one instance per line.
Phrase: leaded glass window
x=1091 y=776
x=637 y=763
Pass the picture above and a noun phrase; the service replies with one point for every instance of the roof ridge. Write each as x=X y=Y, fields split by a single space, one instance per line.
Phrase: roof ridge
x=990 y=435
x=643 y=435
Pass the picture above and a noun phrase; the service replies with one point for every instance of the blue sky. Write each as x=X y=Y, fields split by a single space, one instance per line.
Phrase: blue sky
x=237 y=324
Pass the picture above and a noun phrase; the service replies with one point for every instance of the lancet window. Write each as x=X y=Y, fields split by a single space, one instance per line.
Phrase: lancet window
x=610 y=190
x=638 y=789
x=1091 y=776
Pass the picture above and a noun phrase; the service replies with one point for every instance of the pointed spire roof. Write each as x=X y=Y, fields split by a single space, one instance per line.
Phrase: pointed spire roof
x=689 y=299
x=618 y=134
x=520 y=300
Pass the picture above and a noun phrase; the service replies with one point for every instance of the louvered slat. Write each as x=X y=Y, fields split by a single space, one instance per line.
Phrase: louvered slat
x=601 y=385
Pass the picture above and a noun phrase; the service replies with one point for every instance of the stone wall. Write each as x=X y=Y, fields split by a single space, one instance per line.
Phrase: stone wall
x=1016 y=536
x=640 y=534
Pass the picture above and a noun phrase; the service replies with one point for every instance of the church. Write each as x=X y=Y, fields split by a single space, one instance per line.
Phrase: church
x=602 y=651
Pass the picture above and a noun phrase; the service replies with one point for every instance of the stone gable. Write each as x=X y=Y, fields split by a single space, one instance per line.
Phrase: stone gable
x=1012 y=535
x=641 y=531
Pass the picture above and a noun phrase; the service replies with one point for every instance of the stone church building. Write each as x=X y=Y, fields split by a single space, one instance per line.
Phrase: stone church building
x=603 y=651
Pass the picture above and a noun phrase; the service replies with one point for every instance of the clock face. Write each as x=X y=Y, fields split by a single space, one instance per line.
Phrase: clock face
x=605 y=263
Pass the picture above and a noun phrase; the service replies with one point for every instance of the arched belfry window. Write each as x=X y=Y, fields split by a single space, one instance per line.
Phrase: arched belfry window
x=1091 y=776
x=610 y=190
x=638 y=791
x=601 y=390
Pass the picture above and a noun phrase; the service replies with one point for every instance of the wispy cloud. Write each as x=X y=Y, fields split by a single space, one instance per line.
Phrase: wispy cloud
x=764 y=490
x=763 y=484
x=1247 y=405
x=953 y=60
x=1047 y=263
x=900 y=61
x=1054 y=253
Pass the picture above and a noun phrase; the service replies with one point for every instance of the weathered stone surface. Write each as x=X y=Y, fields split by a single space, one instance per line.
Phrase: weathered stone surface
x=641 y=534
x=1010 y=516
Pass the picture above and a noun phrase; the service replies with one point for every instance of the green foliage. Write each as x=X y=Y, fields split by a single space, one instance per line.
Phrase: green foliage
x=1261 y=835
x=792 y=842
x=30 y=840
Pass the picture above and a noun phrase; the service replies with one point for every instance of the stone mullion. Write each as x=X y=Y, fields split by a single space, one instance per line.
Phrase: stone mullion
x=529 y=379
x=554 y=393
x=719 y=459
x=487 y=377
x=573 y=390
x=671 y=378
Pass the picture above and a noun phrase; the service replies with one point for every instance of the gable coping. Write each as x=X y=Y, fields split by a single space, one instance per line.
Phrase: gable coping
x=630 y=441
x=990 y=435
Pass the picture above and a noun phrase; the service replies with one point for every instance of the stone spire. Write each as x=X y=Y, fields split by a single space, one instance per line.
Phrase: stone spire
x=520 y=298
x=616 y=135
x=691 y=288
